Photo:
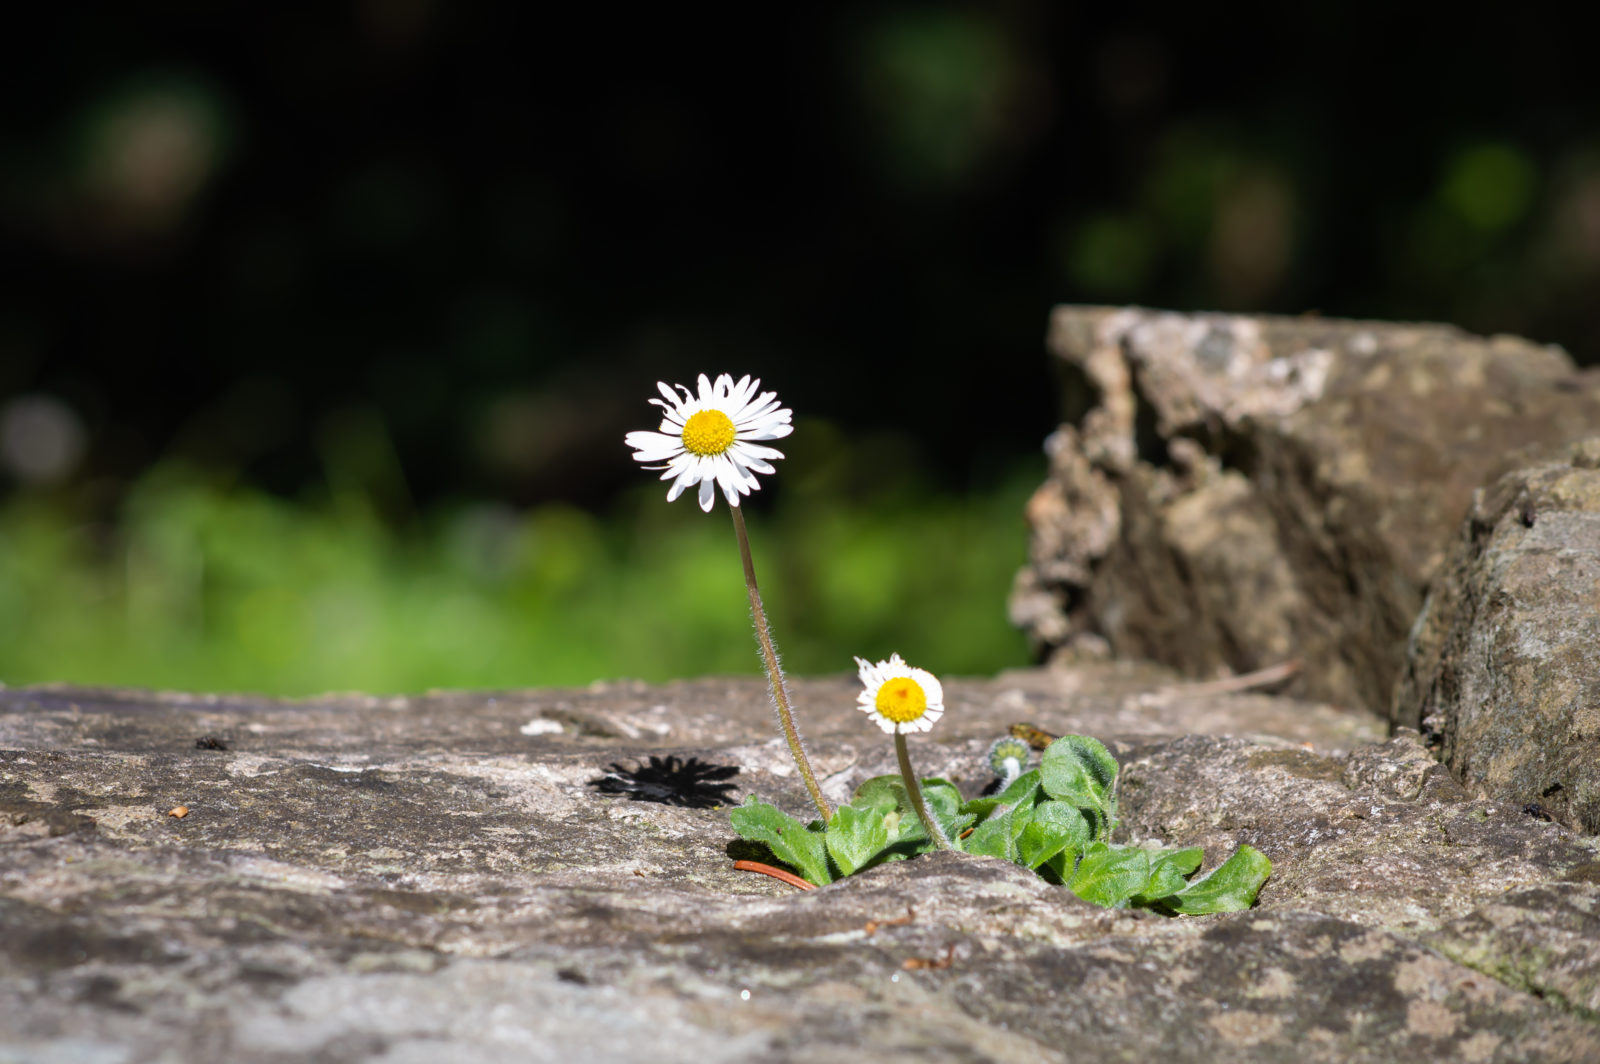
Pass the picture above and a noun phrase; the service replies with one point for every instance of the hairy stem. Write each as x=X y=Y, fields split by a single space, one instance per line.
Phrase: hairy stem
x=914 y=789
x=769 y=655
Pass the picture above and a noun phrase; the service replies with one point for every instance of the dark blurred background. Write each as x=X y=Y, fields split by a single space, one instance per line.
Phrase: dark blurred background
x=321 y=328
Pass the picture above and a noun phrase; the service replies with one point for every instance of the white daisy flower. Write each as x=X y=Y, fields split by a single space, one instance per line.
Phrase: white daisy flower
x=898 y=697
x=706 y=439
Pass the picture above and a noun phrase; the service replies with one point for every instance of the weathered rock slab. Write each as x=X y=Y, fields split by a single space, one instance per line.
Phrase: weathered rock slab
x=1503 y=667
x=1246 y=490
x=410 y=879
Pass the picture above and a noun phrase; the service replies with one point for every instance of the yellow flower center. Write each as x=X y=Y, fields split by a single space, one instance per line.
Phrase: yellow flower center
x=708 y=432
x=902 y=700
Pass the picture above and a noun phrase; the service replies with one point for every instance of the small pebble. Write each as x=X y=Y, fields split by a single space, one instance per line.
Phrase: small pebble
x=179 y=811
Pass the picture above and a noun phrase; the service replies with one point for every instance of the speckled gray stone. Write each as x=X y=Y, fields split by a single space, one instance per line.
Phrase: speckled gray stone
x=431 y=878
x=1503 y=665
x=1234 y=492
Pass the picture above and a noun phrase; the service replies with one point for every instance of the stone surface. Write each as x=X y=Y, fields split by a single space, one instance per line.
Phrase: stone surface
x=1242 y=491
x=433 y=878
x=1503 y=668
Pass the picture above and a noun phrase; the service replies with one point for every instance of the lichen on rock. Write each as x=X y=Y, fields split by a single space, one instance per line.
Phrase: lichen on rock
x=1242 y=489
x=1503 y=667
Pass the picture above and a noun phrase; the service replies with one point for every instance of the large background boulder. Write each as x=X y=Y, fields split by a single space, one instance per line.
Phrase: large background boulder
x=1504 y=664
x=1242 y=490
x=425 y=879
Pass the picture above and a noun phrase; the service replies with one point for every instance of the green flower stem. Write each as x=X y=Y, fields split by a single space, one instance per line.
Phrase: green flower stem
x=769 y=654
x=914 y=789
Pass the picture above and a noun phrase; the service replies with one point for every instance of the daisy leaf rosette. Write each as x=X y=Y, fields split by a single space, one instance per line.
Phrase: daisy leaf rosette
x=898 y=697
x=710 y=437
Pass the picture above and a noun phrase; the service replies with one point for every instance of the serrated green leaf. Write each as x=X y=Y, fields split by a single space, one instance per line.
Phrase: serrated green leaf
x=995 y=837
x=1229 y=888
x=1089 y=752
x=1024 y=789
x=1080 y=770
x=787 y=838
x=1110 y=875
x=1052 y=828
x=1169 y=873
x=855 y=836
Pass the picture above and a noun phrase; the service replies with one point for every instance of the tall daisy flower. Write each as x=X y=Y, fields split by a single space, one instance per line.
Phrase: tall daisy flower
x=708 y=438
x=900 y=699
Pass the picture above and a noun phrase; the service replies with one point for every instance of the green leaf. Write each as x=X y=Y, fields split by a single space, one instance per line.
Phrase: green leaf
x=1080 y=770
x=944 y=803
x=1088 y=752
x=855 y=836
x=1023 y=789
x=942 y=795
x=997 y=836
x=1229 y=888
x=882 y=792
x=1058 y=869
x=787 y=838
x=1110 y=875
x=1169 y=873
x=1052 y=828
x=906 y=836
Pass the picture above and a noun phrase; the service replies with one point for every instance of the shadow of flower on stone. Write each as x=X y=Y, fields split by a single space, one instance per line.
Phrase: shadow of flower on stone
x=693 y=784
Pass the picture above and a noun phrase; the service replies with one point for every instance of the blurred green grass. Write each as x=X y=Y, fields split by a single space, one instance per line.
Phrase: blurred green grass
x=202 y=585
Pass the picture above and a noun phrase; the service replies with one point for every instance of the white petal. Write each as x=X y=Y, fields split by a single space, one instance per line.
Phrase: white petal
x=673 y=398
x=685 y=479
x=756 y=464
x=707 y=395
x=680 y=464
x=757 y=418
x=708 y=491
x=768 y=432
x=728 y=477
x=764 y=407
x=743 y=474
x=747 y=407
x=755 y=450
x=653 y=446
x=741 y=456
x=931 y=688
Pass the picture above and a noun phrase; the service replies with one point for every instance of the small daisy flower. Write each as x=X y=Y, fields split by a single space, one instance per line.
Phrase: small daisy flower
x=706 y=439
x=898 y=697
